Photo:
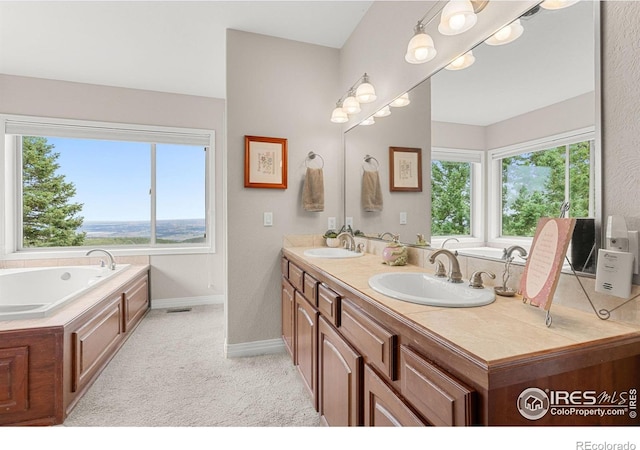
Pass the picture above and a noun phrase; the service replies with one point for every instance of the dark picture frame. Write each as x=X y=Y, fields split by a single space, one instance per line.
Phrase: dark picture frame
x=405 y=169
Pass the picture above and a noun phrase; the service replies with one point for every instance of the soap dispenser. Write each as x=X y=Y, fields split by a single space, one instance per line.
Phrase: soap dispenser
x=395 y=254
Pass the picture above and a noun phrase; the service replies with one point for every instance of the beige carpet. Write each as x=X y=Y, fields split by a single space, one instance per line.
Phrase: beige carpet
x=172 y=373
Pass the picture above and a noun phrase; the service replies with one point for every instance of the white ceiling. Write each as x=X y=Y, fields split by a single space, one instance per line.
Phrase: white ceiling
x=179 y=46
x=170 y=46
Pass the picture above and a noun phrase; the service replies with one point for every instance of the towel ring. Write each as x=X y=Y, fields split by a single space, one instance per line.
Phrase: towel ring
x=311 y=156
x=368 y=158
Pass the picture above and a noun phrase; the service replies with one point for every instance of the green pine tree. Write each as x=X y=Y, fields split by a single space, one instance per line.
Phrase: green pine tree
x=49 y=218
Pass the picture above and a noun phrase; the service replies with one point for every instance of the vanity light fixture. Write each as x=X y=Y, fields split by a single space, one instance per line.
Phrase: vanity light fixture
x=457 y=17
x=338 y=115
x=362 y=91
x=420 y=48
x=401 y=101
x=365 y=93
x=383 y=112
x=462 y=62
x=506 y=34
x=557 y=4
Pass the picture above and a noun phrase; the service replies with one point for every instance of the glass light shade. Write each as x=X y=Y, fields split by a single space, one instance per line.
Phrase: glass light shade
x=368 y=121
x=365 y=93
x=420 y=48
x=384 y=112
x=351 y=105
x=462 y=62
x=506 y=34
x=339 y=116
x=557 y=4
x=401 y=101
x=457 y=17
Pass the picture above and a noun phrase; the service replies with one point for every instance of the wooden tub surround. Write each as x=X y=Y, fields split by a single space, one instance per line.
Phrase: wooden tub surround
x=367 y=359
x=47 y=364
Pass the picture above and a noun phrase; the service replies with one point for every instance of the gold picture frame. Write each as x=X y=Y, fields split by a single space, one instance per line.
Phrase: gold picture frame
x=265 y=162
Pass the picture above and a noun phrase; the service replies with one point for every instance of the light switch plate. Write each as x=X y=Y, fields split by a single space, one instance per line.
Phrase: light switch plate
x=268 y=219
x=331 y=223
x=403 y=218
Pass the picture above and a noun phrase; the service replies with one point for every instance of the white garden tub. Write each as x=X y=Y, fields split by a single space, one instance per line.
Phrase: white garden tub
x=35 y=292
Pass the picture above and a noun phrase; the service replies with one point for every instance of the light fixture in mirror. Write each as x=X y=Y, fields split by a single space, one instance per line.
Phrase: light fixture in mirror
x=368 y=121
x=383 y=112
x=462 y=62
x=457 y=17
x=506 y=34
x=401 y=101
x=557 y=4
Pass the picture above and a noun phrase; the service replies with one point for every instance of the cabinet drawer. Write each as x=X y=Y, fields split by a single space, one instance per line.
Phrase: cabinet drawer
x=295 y=276
x=329 y=304
x=376 y=343
x=284 y=265
x=310 y=289
x=438 y=396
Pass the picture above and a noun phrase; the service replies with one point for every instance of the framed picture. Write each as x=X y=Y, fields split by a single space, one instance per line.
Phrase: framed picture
x=265 y=162
x=405 y=169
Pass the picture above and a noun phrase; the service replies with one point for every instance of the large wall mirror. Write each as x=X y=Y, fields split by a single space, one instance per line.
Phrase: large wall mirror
x=534 y=94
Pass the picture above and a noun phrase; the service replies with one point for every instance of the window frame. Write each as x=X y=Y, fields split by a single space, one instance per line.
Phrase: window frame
x=494 y=169
x=11 y=228
x=477 y=159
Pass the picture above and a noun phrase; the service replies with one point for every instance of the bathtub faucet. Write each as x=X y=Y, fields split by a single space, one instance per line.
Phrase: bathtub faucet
x=112 y=261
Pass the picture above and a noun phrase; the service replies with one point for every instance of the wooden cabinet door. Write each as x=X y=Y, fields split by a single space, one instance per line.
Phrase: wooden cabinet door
x=287 y=317
x=382 y=407
x=136 y=302
x=306 y=343
x=339 y=378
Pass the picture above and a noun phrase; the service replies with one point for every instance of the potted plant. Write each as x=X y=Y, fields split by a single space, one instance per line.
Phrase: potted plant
x=331 y=237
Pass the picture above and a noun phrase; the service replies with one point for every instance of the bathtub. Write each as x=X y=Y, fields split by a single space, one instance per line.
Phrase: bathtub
x=32 y=293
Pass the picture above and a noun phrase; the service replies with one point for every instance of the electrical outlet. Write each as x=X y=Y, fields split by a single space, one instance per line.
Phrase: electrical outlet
x=268 y=219
x=331 y=224
x=403 y=218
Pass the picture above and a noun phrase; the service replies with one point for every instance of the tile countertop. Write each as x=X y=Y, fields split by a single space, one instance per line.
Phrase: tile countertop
x=505 y=329
x=76 y=307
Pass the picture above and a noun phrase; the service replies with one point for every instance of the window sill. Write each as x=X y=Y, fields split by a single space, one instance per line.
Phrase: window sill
x=75 y=253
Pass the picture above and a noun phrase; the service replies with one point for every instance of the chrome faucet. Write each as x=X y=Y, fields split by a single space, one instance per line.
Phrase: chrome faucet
x=447 y=240
x=351 y=243
x=455 y=276
x=112 y=261
x=382 y=235
x=508 y=252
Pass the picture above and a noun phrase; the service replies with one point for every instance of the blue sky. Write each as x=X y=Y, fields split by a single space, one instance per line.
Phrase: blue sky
x=113 y=179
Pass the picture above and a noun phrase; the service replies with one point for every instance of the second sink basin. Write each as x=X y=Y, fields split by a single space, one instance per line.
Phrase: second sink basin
x=329 y=252
x=426 y=289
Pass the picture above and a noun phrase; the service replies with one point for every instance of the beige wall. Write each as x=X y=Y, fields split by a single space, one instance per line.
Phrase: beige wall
x=285 y=89
x=173 y=276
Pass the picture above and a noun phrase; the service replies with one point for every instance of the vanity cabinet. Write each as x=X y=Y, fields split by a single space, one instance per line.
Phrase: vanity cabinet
x=350 y=360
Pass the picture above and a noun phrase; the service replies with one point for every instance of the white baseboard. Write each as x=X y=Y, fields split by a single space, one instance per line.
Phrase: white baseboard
x=255 y=348
x=187 y=301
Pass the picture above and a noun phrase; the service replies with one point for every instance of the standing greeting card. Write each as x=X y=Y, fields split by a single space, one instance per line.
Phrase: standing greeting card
x=543 y=266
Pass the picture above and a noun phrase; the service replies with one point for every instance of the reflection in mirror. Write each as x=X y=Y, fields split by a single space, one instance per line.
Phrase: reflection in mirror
x=367 y=165
x=530 y=105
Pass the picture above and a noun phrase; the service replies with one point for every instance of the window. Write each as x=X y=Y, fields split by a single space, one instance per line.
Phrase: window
x=125 y=188
x=456 y=193
x=537 y=181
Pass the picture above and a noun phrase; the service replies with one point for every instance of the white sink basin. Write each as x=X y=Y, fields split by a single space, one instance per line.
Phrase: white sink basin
x=428 y=290
x=328 y=252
